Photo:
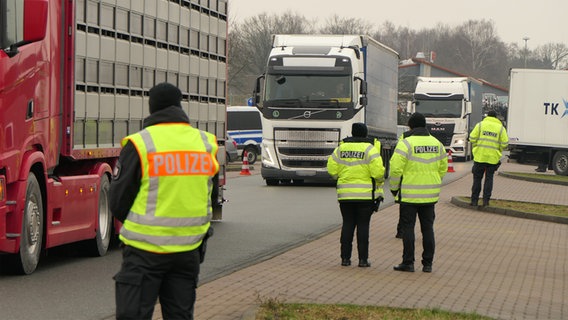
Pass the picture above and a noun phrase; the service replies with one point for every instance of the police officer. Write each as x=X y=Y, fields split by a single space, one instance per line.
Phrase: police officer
x=161 y=193
x=417 y=167
x=357 y=166
x=489 y=138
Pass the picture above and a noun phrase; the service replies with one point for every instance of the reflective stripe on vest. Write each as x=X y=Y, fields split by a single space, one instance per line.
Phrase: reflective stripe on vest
x=172 y=231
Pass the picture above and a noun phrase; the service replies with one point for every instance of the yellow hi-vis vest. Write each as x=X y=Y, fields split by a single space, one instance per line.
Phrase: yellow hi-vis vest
x=172 y=210
x=489 y=138
x=416 y=169
x=353 y=164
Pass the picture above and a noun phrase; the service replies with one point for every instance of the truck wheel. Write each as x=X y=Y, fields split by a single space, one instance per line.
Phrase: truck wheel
x=32 y=228
x=99 y=245
x=560 y=163
x=251 y=155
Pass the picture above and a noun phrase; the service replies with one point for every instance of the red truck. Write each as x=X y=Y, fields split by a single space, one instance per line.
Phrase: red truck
x=74 y=80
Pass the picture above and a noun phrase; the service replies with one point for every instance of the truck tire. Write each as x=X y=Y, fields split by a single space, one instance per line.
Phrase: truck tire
x=32 y=229
x=252 y=154
x=100 y=244
x=560 y=163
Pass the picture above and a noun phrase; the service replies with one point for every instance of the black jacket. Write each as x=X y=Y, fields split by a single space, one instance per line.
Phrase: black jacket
x=360 y=139
x=421 y=131
x=126 y=181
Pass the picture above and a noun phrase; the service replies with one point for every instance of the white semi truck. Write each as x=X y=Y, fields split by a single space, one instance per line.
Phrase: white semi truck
x=538 y=117
x=452 y=106
x=314 y=88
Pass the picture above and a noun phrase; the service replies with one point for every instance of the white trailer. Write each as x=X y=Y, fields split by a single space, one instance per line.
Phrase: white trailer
x=314 y=88
x=538 y=117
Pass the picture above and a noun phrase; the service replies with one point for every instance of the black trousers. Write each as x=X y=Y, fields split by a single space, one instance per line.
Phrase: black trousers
x=356 y=215
x=479 y=170
x=426 y=215
x=145 y=276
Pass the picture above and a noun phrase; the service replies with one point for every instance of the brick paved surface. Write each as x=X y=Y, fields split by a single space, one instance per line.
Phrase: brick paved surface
x=495 y=265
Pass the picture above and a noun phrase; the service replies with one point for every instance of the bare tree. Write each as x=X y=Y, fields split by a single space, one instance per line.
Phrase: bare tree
x=476 y=45
x=554 y=53
x=341 y=25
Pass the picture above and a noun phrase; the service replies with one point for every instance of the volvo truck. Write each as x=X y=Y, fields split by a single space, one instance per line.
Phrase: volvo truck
x=74 y=80
x=313 y=89
x=538 y=118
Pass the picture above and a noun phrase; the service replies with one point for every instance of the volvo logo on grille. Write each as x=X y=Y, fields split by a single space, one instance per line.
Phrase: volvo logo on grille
x=307 y=114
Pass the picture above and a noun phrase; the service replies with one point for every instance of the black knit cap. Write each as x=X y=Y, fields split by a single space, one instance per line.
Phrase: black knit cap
x=417 y=120
x=359 y=129
x=492 y=113
x=164 y=95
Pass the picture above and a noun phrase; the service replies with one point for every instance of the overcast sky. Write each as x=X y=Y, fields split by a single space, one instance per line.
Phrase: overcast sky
x=543 y=21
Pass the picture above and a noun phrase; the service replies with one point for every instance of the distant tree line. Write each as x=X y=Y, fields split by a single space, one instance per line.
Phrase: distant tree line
x=472 y=48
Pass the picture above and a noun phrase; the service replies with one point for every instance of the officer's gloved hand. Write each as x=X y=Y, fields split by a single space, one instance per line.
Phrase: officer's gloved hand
x=203 y=246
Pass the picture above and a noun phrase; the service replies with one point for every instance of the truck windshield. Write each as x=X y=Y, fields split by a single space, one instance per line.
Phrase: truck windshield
x=440 y=108
x=302 y=90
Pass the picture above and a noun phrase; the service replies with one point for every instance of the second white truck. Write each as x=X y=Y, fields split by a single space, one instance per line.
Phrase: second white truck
x=315 y=87
x=538 y=117
x=452 y=106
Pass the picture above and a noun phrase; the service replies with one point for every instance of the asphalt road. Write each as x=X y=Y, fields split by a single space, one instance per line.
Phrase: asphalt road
x=259 y=222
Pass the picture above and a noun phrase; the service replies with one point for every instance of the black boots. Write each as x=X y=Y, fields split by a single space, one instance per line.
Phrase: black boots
x=404 y=267
x=363 y=263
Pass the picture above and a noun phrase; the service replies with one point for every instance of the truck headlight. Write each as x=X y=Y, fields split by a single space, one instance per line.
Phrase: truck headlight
x=268 y=159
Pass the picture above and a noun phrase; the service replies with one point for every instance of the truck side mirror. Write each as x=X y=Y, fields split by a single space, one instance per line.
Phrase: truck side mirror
x=467 y=108
x=410 y=107
x=363 y=88
x=363 y=91
x=35 y=20
x=257 y=90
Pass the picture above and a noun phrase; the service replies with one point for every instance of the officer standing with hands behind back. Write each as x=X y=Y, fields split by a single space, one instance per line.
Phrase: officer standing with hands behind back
x=417 y=167
x=357 y=166
x=488 y=138
x=161 y=192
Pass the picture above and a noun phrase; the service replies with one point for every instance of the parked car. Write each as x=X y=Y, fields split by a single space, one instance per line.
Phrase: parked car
x=232 y=150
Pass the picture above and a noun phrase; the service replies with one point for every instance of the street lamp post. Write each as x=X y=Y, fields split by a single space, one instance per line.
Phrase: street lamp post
x=526 y=50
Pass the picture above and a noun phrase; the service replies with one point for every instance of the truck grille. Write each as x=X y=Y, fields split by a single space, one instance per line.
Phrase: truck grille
x=442 y=132
x=305 y=148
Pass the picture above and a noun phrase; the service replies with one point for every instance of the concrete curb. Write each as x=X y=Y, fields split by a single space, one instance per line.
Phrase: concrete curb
x=509 y=212
x=513 y=175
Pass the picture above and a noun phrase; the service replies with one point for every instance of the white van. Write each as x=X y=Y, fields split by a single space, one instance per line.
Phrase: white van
x=244 y=126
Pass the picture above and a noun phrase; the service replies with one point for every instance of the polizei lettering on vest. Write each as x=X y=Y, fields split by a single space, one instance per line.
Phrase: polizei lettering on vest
x=180 y=163
x=425 y=149
x=352 y=155
x=489 y=133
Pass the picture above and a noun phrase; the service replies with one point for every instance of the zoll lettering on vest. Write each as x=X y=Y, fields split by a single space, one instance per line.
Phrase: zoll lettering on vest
x=426 y=149
x=180 y=163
